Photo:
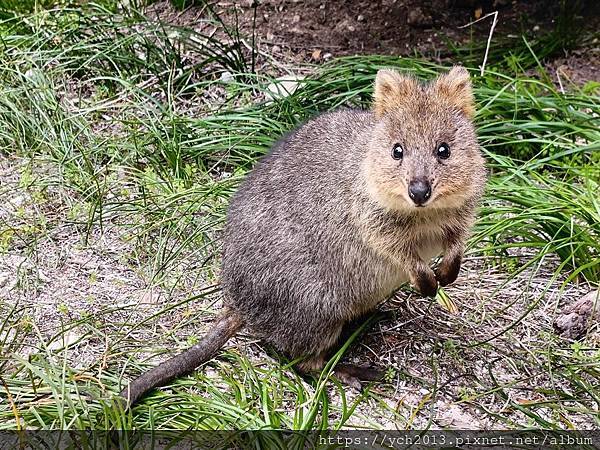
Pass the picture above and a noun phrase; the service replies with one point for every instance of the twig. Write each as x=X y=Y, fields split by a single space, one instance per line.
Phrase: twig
x=562 y=89
x=266 y=55
x=489 y=41
x=15 y=411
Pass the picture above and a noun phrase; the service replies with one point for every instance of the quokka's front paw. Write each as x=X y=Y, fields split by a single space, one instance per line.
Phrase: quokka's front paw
x=426 y=283
x=447 y=272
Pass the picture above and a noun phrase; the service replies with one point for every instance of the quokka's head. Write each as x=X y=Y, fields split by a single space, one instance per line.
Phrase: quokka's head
x=423 y=153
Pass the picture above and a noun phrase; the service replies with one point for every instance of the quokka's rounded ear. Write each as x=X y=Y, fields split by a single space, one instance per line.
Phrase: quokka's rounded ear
x=392 y=90
x=455 y=86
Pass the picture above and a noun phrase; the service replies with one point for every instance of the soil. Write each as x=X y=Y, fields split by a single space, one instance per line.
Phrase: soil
x=576 y=67
x=317 y=30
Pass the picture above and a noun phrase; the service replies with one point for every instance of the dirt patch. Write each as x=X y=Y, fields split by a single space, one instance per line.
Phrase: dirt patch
x=576 y=68
x=290 y=33
x=78 y=290
x=320 y=29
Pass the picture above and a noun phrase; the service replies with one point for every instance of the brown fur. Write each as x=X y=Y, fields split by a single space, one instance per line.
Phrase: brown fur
x=323 y=228
x=392 y=91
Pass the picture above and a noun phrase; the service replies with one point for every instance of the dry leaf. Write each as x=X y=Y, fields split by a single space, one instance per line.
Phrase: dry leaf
x=446 y=302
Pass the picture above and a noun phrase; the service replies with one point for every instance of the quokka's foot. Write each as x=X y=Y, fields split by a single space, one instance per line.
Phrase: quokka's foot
x=352 y=375
x=447 y=272
x=426 y=283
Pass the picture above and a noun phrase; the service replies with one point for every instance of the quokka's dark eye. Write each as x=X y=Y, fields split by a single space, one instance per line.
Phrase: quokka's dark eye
x=397 y=151
x=443 y=151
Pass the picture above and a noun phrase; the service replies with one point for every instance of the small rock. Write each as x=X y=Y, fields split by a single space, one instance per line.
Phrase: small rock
x=575 y=319
x=67 y=339
x=296 y=18
x=351 y=28
x=283 y=86
x=360 y=18
x=455 y=417
x=417 y=18
x=226 y=77
x=43 y=277
x=17 y=201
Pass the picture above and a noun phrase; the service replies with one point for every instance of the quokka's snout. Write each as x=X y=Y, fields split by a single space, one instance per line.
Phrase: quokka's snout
x=419 y=191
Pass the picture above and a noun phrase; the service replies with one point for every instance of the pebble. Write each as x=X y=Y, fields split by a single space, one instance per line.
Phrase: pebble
x=226 y=77
x=417 y=18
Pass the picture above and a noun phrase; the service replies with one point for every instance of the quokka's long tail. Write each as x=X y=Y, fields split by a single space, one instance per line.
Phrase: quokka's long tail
x=185 y=362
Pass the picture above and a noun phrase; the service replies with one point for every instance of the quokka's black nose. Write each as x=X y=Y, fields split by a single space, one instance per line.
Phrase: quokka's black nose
x=419 y=191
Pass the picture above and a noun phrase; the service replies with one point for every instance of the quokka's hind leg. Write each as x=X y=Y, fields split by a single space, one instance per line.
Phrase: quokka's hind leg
x=351 y=374
x=312 y=364
x=321 y=340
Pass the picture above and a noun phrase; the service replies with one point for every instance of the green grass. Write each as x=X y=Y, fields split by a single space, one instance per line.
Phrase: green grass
x=130 y=126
